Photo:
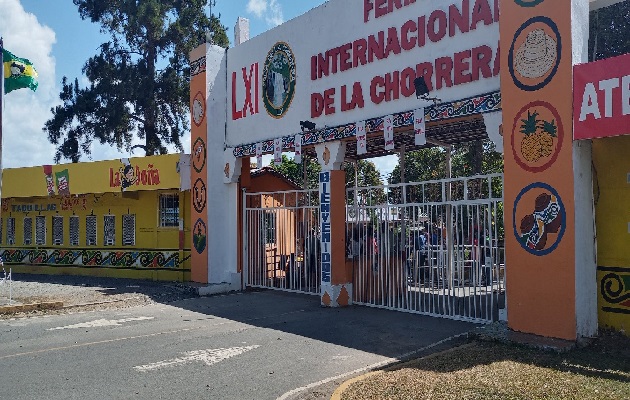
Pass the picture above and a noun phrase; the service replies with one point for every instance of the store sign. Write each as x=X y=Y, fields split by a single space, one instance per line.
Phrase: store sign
x=601 y=98
x=129 y=175
x=362 y=65
x=324 y=194
x=34 y=207
x=448 y=70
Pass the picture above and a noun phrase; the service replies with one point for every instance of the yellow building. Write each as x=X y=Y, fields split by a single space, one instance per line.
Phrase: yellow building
x=120 y=218
x=612 y=207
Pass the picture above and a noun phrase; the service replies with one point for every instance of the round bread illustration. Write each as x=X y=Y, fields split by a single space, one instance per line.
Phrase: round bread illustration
x=537 y=55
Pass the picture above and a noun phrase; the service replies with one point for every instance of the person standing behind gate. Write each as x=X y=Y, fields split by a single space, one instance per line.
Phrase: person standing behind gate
x=421 y=248
x=312 y=257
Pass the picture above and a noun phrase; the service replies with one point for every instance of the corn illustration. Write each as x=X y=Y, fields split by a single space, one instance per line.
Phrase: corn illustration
x=539 y=137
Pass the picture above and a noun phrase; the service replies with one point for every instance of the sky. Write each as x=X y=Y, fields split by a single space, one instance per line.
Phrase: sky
x=52 y=35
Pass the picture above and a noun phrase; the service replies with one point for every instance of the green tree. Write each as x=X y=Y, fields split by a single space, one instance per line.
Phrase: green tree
x=430 y=164
x=295 y=172
x=368 y=175
x=138 y=83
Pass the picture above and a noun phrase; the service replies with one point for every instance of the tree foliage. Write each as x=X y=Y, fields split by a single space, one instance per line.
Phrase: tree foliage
x=609 y=31
x=368 y=173
x=138 y=82
x=430 y=164
x=295 y=172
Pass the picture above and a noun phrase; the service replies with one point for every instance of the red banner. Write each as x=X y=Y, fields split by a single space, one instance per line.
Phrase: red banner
x=601 y=98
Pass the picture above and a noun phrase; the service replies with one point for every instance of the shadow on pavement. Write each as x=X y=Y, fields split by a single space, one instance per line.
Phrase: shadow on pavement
x=378 y=331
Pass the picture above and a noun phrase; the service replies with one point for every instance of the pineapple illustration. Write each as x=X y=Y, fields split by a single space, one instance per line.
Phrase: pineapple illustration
x=539 y=137
x=530 y=144
x=549 y=131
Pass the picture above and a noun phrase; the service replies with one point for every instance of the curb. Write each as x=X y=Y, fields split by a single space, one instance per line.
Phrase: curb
x=16 y=308
x=400 y=364
x=342 y=388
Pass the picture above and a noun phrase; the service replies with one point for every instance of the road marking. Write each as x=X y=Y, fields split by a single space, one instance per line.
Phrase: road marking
x=209 y=357
x=101 y=323
x=29 y=353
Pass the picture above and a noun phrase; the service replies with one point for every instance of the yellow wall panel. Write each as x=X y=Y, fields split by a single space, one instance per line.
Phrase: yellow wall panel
x=134 y=174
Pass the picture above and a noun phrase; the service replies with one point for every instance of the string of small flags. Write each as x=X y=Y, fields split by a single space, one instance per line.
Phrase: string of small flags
x=419 y=127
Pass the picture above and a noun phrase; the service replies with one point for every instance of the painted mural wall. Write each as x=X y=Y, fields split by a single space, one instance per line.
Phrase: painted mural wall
x=612 y=205
x=135 y=222
x=361 y=66
x=537 y=87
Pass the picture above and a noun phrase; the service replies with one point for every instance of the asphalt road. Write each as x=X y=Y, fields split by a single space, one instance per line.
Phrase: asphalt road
x=256 y=345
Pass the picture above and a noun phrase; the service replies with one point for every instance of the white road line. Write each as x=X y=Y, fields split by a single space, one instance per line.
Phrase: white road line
x=101 y=323
x=209 y=357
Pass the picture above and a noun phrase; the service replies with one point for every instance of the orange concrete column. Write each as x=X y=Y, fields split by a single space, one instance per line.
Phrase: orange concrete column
x=547 y=236
x=336 y=276
x=199 y=172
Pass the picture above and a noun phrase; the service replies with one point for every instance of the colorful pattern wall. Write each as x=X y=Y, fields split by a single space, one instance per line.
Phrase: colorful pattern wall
x=69 y=235
x=199 y=158
x=536 y=88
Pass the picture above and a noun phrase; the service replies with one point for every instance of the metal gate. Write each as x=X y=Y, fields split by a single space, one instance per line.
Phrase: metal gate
x=281 y=244
x=432 y=248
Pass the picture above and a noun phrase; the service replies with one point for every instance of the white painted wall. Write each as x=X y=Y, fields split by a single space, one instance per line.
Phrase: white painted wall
x=333 y=24
x=222 y=198
x=585 y=257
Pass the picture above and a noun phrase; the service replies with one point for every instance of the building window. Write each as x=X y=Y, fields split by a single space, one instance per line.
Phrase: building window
x=129 y=230
x=90 y=230
x=169 y=210
x=40 y=230
x=109 y=230
x=270 y=227
x=74 y=230
x=28 y=231
x=11 y=231
x=57 y=228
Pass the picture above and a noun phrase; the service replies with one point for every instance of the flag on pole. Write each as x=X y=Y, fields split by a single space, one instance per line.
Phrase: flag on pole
x=18 y=72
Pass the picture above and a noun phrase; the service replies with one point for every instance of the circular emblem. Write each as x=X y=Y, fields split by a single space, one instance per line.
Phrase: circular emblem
x=279 y=77
x=535 y=54
x=200 y=236
x=199 y=195
x=199 y=155
x=537 y=136
x=198 y=108
x=539 y=219
x=528 y=3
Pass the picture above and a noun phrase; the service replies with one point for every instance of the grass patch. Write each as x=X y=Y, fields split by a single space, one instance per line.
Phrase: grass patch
x=484 y=370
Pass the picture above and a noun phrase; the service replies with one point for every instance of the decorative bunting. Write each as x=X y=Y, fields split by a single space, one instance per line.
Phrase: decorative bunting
x=259 y=155
x=277 y=151
x=388 y=132
x=419 y=127
x=298 y=149
x=361 y=138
